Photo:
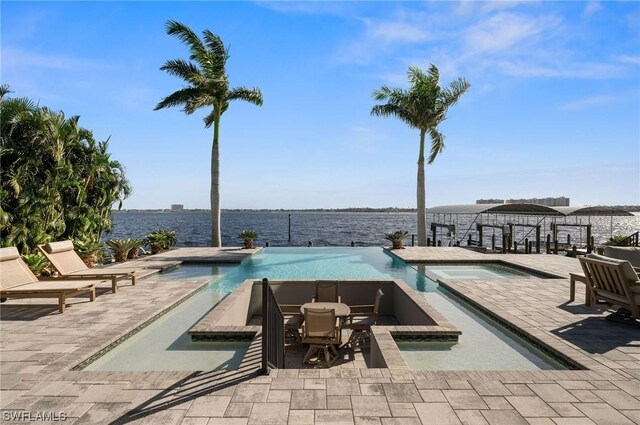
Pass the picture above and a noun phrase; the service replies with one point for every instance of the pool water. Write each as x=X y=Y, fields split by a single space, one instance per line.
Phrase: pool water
x=472 y=271
x=165 y=345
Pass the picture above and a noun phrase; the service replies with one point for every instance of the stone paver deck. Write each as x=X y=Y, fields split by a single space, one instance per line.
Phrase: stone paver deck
x=38 y=348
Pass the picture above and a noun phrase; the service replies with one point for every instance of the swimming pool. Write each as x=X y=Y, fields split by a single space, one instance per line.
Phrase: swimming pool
x=488 y=344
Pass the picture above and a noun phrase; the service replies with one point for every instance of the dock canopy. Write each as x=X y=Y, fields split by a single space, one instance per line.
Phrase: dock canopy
x=528 y=209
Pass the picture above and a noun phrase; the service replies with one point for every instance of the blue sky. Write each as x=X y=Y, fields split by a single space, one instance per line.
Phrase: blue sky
x=553 y=109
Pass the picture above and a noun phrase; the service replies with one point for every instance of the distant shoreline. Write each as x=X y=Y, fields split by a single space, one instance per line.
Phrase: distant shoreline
x=389 y=210
x=630 y=208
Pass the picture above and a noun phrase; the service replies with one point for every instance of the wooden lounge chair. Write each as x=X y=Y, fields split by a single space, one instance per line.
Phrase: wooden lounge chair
x=321 y=333
x=326 y=292
x=17 y=281
x=66 y=261
x=361 y=319
x=613 y=281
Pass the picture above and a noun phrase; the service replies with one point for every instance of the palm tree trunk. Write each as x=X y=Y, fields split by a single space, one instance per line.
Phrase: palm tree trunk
x=215 y=183
x=422 y=213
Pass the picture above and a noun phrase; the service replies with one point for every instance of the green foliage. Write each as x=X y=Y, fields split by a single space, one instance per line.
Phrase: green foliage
x=120 y=248
x=134 y=252
x=170 y=238
x=248 y=234
x=161 y=239
x=90 y=252
x=56 y=181
x=396 y=238
x=37 y=263
x=423 y=106
x=615 y=240
x=398 y=235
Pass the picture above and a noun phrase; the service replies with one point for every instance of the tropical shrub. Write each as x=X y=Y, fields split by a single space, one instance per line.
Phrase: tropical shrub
x=170 y=238
x=37 y=263
x=248 y=236
x=89 y=252
x=134 y=252
x=160 y=239
x=120 y=248
x=396 y=238
x=615 y=239
x=56 y=181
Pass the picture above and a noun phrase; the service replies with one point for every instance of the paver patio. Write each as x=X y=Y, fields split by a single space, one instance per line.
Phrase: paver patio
x=38 y=347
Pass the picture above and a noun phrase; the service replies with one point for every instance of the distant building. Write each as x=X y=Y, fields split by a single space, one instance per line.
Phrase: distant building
x=490 y=201
x=547 y=202
x=561 y=201
x=177 y=207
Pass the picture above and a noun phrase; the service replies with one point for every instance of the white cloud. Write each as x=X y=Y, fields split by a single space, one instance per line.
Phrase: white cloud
x=633 y=60
x=380 y=37
x=565 y=69
x=587 y=102
x=395 y=32
x=505 y=31
x=309 y=7
x=591 y=8
x=14 y=58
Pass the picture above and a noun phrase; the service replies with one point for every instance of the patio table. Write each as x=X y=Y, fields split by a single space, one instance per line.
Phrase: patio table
x=342 y=310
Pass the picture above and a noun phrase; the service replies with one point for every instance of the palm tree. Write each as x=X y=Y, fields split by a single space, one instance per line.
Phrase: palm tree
x=207 y=86
x=423 y=107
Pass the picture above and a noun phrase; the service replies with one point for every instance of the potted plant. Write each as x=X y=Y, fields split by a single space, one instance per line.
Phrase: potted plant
x=156 y=242
x=89 y=252
x=120 y=248
x=134 y=252
x=37 y=263
x=170 y=238
x=247 y=237
x=396 y=238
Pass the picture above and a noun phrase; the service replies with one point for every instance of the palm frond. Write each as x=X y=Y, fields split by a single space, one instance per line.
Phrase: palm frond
x=456 y=89
x=181 y=68
x=437 y=144
x=219 y=54
x=190 y=39
x=178 y=98
x=251 y=95
x=210 y=118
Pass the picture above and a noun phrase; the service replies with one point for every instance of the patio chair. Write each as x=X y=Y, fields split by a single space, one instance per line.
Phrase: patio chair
x=361 y=319
x=613 y=281
x=321 y=333
x=293 y=321
x=17 y=281
x=69 y=265
x=327 y=292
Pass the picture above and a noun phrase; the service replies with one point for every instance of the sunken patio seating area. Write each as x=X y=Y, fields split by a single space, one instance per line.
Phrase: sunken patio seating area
x=403 y=313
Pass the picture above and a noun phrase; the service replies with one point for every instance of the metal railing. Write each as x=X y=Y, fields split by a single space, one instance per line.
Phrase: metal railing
x=272 y=330
x=631 y=240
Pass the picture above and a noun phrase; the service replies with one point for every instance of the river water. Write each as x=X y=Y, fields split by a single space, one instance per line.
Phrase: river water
x=193 y=228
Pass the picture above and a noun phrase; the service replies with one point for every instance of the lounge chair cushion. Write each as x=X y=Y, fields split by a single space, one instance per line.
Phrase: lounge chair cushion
x=625 y=266
x=56 y=247
x=14 y=271
x=10 y=253
x=629 y=253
